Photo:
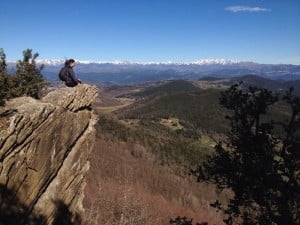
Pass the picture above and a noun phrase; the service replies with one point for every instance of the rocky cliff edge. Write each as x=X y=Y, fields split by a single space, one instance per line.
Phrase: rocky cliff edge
x=44 y=149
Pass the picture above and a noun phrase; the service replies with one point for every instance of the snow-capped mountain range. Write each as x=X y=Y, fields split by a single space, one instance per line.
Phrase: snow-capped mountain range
x=55 y=62
x=128 y=71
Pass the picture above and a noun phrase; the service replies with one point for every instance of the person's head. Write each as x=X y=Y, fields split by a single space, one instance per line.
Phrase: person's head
x=70 y=63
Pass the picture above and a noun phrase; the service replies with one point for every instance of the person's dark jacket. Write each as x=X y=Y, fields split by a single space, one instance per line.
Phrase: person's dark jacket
x=71 y=79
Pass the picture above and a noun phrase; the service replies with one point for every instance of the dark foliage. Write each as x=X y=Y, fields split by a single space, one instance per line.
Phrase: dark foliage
x=195 y=110
x=261 y=169
x=184 y=221
x=64 y=216
x=3 y=64
x=27 y=81
x=172 y=87
x=168 y=146
x=4 y=78
x=14 y=212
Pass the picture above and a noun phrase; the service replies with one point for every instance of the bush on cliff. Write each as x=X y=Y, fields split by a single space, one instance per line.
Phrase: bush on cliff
x=26 y=81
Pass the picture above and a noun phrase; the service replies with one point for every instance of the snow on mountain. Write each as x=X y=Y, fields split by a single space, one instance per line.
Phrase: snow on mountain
x=215 y=61
x=52 y=62
x=117 y=71
x=55 y=62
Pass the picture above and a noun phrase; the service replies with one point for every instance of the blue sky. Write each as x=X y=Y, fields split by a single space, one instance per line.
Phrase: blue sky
x=264 y=31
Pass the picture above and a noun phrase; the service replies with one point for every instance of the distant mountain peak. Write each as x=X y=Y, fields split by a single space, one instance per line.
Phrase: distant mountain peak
x=130 y=71
x=125 y=62
x=215 y=61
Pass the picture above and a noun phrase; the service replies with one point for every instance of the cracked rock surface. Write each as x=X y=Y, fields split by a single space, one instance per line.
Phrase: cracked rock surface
x=45 y=147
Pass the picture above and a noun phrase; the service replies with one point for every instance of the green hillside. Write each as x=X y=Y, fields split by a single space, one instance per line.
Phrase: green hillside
x=168 y=121
x=274 y=85
x=171 y=87
x=175 y=128
x=252 y=80
x=194 y=110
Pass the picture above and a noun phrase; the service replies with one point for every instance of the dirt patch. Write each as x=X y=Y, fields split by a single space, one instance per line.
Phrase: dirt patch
x=172 y=123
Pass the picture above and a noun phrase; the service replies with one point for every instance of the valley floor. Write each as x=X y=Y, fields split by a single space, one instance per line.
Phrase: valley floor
x=126 y=186
x=130 y=183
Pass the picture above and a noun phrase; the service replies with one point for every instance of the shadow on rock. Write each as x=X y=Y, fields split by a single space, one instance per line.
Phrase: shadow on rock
x=14 y=212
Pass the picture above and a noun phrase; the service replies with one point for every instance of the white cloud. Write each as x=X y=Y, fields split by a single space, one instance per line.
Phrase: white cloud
x=246 y=9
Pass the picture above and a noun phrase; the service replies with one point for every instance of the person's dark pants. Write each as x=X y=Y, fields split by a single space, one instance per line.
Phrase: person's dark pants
x=71 y=84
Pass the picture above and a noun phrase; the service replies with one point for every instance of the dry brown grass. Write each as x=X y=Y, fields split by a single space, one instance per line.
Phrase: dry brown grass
x=126 y=186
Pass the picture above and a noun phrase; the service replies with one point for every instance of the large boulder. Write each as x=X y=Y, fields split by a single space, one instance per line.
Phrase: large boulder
x=44 y=149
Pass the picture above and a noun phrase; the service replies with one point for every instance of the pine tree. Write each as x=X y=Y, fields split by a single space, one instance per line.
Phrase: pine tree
x=4 y=78
x=28 y=79
x=261 y=168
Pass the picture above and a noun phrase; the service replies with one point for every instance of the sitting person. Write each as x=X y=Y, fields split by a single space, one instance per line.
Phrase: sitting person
x=67 y=74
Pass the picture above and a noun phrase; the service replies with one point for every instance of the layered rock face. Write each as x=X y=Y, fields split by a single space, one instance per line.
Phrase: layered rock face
x=44 y=149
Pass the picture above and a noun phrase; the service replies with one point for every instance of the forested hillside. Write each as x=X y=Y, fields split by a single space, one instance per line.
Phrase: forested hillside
x=155 y=141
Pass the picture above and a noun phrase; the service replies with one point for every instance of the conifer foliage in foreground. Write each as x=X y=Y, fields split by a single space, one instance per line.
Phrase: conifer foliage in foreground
x=261 y=168
x=26 y=81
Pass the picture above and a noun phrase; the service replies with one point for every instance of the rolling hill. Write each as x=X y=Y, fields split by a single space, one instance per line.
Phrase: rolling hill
x=169 y=87
x=132 y=72
x=195 y=108
x=180 y=99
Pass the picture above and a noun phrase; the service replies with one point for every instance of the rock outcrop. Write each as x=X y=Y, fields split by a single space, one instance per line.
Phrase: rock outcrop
x=44 y=148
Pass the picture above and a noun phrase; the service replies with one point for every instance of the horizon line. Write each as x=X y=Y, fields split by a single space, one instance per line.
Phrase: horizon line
x=203 y=61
